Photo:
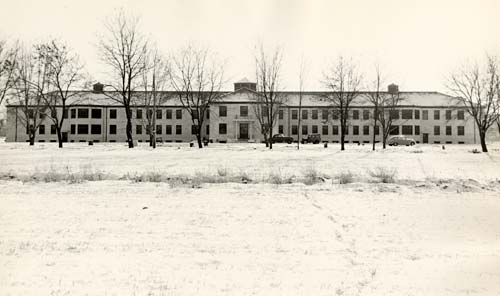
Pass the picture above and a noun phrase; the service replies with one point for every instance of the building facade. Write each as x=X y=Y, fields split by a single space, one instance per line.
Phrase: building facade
x=427 y=117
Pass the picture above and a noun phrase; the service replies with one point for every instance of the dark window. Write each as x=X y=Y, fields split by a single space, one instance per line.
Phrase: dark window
x=448 y=130
x=222 y=128
x=324 y=114
x=112 y=129
x=335 y=114
x=436 y=115
x=96 y=113
x=407 y=130
x=169 y=114
x=295 y=114
x=314 y=114
x=394 y=114
x=460 y=115
x=324 y=130
x=304 y=115
x=178 y=114
x=304 y=129
x=437 y=130
x=138 y=129
x=394 y=130
x=366 y=114
x=417 y=114
x=95 y=129
x=195 y=114
x=280 y=114
x=366 y=130
x=244 y=111
x=208 y=129
x=407 y=114
x=460 y=130
x=83 y=129
x=168 y=129
x=149 y=114
x=425 y=114
x=83 y=113
x=112 y=113
x=335 y=130
x=377 y=130
x=280 y=129
x=53 y=113
x=65 y=113
x=355 y=130
x=148 y=130
x=355 y=114
x=178 y=129
x=159 y=114
x=417 y=129
x=158 y=129
x=208 y=113
x=222 y=111
x=314 y=129
x=73 y=113
x=31 y=114
x=73 y=129
x=138 y=113
x=41 y=130
x=294 y=129
x=194 y=129
x=53 y=129
x=448 y=114
x=346 y=130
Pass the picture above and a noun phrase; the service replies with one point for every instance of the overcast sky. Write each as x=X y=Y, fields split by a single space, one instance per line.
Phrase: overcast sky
x=416 y=42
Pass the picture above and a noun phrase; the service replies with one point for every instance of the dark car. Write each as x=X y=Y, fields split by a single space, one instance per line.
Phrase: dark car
x=280 y=138
x=401 y=140
x=312 y=138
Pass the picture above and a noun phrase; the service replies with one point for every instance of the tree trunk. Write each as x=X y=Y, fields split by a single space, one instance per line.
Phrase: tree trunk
x=198 y=138
x=59 y=137
x=266 y=140
x=374 y=137
x=32 y=139
x=151 y=139
x=342 y=139
x=129 y=132
x=384 y=141
x=482 y=136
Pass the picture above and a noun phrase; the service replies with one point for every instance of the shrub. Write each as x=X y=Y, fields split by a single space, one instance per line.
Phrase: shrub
x=312 y=176
x=385 y=175
x=279 y=178
x=346 y=177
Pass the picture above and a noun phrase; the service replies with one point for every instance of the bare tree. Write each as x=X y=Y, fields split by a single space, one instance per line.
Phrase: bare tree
x=375 y=97
x=8 y=59
x=343 y=80
x=388 y=111
x=64 y=73
x=123 y=49
x=301 y=91
x=478 y=91
x=269 y=98
x=196 y=76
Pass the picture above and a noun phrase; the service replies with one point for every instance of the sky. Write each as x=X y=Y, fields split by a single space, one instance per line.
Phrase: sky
x=417 y=43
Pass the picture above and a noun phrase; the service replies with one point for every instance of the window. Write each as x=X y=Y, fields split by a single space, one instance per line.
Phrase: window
x=295 y=114
x=280 y=114
x=314 y=114
x=460 y=130
x=158 y=129
x=53 y=130
x=112 y=129
x=448 y=115
x=366 y=114
x=112 y=113
x=83 y=113
x=65 y=113
x=304 y=129
x=244 y=111
x=346 y=130
x=460 y=114
x=96 y=113
x=178 y=114
x=417 y=130
x=366 y=130
x=95 y=129
x=73 y=113
x=138 y=129
x=53 y=113
x=436 y=115
x=148 y=130
x=425 y=114
x=437 y=130
x=314 y=129
x=169 y=114
x=335 y=130
x=335 y=114
x=355 y=114
x=376 y=130
x=194 y=129
x=355 y=130
x=448 y=130
x=407 y=130
x=294 y=129
x=304 y=114
x=222 y=128
x=196 y=114
x=407 y=114
x=324 y=130
x=208 y=113
x=222 y=111
x=41 y=130
x=394 y=114
x=178 y=129
x=138 y=113
x=394 y=130
x=31 y=114
x=159 y=114
x=168 y=129
x=73 y=129
x=417 y=114
x=83 y=129
x=324 y=114
x=280 y=129
x=208 y=129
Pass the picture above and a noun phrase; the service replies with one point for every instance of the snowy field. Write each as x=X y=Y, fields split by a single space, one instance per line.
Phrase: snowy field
x=218 y=221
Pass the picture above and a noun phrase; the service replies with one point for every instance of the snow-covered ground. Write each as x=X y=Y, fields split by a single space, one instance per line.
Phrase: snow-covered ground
x=434 y=231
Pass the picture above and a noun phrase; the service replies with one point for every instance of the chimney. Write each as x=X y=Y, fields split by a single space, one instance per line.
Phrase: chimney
x=98 y=88
x=393 y=89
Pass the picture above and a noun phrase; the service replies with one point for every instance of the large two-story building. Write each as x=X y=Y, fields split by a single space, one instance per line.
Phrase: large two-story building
x=428 y=117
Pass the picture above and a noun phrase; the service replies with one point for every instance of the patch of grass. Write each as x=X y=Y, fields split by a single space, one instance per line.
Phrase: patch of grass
x=279 y=178
x=346 y=177
x=312 y=176
x=384 y=175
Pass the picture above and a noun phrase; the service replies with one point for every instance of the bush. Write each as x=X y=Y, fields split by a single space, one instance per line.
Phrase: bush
x=346 y=177
x=385 y=175
x=312 y=176
x=279 y=178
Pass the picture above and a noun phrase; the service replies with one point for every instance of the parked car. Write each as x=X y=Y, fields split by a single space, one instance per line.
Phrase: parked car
x=312 y=138
x=280 y=138
x=400 y=140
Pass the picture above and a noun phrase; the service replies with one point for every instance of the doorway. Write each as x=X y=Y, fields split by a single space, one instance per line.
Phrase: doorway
x=243 y=131
x=425 y=139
